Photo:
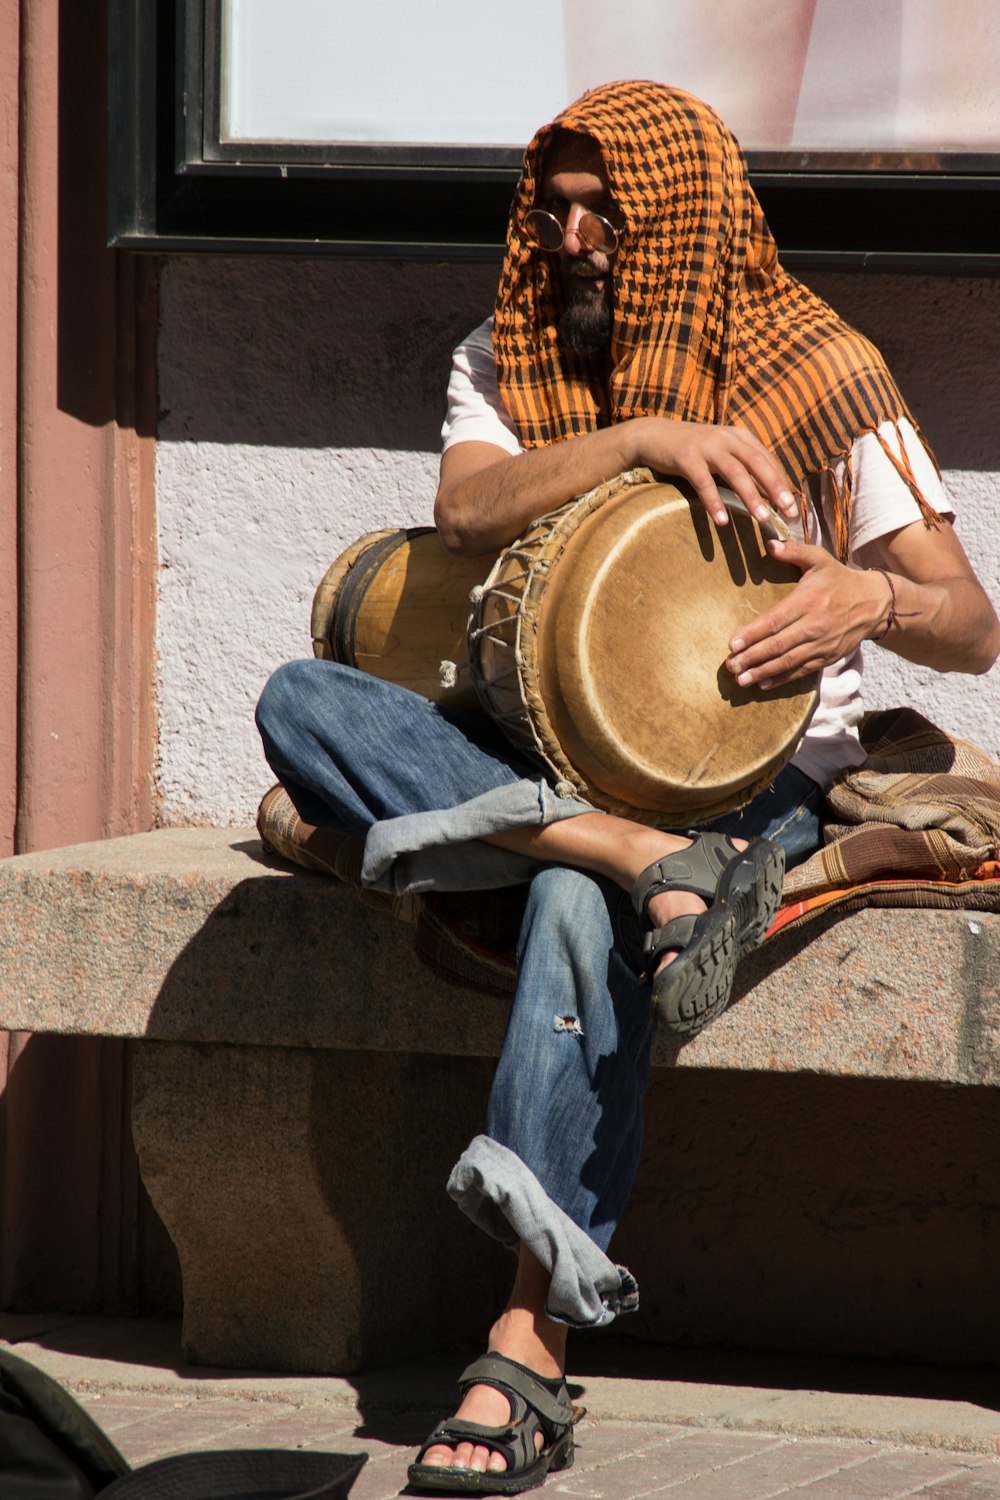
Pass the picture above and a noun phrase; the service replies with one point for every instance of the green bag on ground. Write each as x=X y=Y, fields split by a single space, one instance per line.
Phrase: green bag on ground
x=50 y=1449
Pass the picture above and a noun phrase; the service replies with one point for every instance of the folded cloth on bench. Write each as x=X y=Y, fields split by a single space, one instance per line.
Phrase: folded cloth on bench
x=917 y=825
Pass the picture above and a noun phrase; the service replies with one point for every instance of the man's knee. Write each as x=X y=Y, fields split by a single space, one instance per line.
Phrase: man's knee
x=286 y=696
x=570 y=907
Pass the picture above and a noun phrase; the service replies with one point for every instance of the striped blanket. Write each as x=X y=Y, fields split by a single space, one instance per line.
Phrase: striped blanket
x=917 y=825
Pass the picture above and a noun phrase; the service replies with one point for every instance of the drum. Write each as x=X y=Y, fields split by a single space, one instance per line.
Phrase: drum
x=599 y=643
x=396 y=605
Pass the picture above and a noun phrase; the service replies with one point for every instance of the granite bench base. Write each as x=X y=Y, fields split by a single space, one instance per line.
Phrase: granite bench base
x=812 y=1178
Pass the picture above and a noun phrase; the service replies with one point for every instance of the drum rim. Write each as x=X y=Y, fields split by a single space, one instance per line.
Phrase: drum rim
x=329 y=590
x=521 y=726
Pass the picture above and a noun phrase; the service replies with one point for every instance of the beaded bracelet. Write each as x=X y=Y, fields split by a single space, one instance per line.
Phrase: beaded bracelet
x=894 y=613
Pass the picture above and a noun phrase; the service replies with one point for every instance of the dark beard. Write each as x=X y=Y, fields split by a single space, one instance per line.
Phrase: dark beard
x=585 y=324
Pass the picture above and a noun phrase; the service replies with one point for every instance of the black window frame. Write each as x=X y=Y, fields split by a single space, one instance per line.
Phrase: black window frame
x=174 y=185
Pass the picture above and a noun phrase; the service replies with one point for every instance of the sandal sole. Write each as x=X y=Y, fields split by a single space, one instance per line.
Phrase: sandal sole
x=475 y=1482
x=695 y=988
x=752 y=888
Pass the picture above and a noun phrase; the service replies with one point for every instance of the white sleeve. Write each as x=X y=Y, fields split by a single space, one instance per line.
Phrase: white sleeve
x=476 y=413
x=882 y=500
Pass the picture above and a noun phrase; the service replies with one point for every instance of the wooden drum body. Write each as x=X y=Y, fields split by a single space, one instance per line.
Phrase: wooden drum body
x=396 y=605
x=599 y=644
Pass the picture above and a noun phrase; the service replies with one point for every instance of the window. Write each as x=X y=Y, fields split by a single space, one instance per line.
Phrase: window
x=394 y=128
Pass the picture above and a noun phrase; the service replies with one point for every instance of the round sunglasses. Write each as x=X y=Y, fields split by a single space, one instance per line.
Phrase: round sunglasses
x=545 y=232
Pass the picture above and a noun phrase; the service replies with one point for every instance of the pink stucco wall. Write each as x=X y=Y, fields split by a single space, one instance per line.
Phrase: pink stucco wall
x=77 y=588
x=9 y=69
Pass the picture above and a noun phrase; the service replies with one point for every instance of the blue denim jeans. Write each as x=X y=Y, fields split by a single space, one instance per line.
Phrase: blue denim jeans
x=564 y=1123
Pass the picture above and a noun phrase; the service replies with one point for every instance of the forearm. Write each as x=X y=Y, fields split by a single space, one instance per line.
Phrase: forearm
x=948 y=624
x=485 y=499
x=482 y=511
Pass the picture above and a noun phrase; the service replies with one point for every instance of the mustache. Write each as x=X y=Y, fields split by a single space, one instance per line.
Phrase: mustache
x=589 y=268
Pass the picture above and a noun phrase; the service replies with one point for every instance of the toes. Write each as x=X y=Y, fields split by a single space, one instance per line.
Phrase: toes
x=479 y=1459
x=438 y=1457
x=481 y=1404
x=465 y=1456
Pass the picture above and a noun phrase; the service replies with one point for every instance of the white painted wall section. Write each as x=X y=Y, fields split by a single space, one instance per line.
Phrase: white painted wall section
x=301 y=402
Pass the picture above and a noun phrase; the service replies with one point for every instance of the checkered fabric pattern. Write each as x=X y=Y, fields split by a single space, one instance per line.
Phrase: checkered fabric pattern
x=707 y=325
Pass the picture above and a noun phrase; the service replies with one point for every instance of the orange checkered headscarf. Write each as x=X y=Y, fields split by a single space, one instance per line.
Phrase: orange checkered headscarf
x=706 y=325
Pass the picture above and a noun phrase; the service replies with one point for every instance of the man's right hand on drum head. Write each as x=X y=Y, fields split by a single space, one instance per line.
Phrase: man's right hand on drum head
x=486 y=497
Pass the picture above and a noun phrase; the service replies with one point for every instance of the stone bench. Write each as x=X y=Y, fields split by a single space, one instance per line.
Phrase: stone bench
x=812 y=1179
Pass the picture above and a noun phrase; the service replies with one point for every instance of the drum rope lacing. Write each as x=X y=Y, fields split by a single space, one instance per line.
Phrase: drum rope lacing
x=524 y=571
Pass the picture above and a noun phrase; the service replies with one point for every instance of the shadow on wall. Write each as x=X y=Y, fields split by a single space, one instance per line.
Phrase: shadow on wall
x=355 y=354
x=941 y=338
x=104 y=303
x=313 y=353
x=817 y=1215
x=77 y=1230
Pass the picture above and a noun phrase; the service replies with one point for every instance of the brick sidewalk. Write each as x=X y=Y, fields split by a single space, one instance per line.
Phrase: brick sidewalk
x=615 y=1460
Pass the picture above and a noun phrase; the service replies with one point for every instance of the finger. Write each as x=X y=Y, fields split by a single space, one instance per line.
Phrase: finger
x=731 y=471
x=777 y=645
x=751 y=475
x=782 y=679
x=768 y=475
x=765 y=628
x=785 y=666
x=801 y=555
x=701 y=480
x=804 y=644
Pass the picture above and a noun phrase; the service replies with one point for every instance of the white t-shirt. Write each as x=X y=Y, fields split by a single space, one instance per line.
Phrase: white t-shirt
x=881 y=502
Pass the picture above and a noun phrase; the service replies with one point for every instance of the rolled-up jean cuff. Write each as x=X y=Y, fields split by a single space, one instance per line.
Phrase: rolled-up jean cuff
x=442 y=849
x=504 y=1197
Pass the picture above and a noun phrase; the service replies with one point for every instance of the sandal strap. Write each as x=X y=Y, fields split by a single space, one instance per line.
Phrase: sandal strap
x=696 y=870
x=456 y=1430
x=517 y=1381
x=673 y=937
x=459 y=1427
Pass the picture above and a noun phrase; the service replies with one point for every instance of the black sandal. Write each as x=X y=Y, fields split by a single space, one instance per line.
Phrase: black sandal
x=533 y=1409
x=742 y=888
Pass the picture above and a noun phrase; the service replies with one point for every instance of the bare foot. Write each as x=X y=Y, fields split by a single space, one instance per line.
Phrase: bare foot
x=515 y=1335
